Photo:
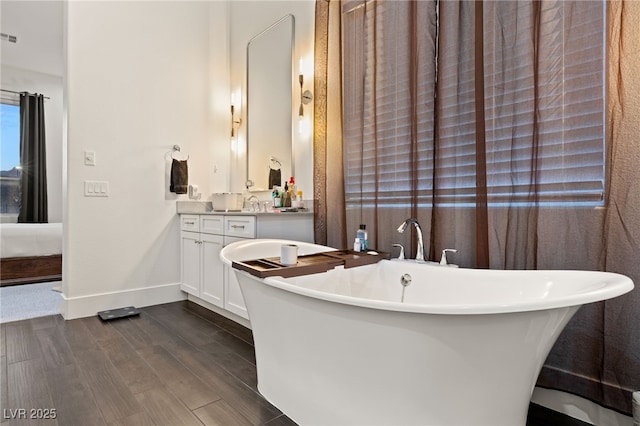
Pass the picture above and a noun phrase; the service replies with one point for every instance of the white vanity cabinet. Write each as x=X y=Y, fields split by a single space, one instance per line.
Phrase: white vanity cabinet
x=203 y=275
x=201 y=269
x=236 y=228
x=234 y=302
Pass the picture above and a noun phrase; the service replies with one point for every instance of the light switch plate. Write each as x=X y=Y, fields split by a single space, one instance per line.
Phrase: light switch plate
x=96 y=188
x=89 y=158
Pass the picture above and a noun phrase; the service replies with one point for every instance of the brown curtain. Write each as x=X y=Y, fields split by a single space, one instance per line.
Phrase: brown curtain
x=598 y=355
x=462 y=115
x=328 y=176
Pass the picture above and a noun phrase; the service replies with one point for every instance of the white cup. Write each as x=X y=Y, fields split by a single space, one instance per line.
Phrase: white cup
x=289 y=254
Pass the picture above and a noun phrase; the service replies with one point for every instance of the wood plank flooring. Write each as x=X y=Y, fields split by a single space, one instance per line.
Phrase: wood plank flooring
x=175 y=364
x=169 y=366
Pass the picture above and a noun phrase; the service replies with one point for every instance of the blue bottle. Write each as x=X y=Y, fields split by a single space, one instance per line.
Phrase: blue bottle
x=361 y=234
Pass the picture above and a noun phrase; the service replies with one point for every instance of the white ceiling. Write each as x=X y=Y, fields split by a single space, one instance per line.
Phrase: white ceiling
x=38 y=26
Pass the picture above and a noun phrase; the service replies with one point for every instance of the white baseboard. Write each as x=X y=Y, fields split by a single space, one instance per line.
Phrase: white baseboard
x=90 y=305
x=220 y=311
x=579 y=408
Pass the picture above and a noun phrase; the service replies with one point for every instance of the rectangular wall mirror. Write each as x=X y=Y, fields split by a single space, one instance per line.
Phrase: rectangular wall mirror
x=269 y=105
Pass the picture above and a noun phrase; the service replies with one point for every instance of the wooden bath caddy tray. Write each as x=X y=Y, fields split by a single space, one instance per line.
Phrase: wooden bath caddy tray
x=308 y=264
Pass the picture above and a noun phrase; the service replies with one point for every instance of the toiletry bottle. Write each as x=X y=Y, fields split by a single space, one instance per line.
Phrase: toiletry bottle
x=361 y=234
x=283 y=196
x=276 y=196
x=292 y=186
x=356 y=244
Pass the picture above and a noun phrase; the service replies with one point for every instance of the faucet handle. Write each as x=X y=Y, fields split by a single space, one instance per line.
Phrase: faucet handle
x=443 y=259
x=401 y=255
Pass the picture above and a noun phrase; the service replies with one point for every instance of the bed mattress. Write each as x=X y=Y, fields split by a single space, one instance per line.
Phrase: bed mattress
x=30 y=239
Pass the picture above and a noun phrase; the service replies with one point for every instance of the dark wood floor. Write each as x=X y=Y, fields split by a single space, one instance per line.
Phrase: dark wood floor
x=174 y=364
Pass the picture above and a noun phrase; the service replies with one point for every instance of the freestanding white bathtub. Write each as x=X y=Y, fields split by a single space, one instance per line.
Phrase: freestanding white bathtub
x=465 y=347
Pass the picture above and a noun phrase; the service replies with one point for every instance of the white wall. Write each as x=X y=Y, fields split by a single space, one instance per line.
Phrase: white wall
x=21 y=80
x=249 y=18
x=140 y=77
x=219 y=28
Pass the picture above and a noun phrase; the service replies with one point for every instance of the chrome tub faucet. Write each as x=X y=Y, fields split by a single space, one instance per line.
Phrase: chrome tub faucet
x=401 y=228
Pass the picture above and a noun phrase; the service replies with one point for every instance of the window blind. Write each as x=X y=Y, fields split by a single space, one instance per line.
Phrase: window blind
x=388 y=139
x=544 y=102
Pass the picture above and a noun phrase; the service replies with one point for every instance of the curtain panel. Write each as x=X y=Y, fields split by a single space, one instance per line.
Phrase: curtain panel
x=33 y=160
x=598 y=355
x=487 y=121
x=328 y=176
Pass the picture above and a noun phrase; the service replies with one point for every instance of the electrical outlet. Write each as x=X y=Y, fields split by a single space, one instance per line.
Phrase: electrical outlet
x=96 y=188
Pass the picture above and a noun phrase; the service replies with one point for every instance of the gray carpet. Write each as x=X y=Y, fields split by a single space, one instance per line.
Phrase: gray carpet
x=28 y=301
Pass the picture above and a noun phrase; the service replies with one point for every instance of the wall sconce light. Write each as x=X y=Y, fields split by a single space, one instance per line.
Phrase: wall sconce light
x=305 y=95
x=235 y=123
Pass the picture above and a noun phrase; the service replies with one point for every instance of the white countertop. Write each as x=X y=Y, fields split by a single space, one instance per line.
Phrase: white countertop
x=204 y=207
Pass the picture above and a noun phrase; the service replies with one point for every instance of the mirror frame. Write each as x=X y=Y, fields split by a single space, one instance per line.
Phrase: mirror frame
x=248 y=181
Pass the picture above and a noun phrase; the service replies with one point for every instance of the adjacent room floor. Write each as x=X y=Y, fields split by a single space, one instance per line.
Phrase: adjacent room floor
x=26 y=301
x=173 y=364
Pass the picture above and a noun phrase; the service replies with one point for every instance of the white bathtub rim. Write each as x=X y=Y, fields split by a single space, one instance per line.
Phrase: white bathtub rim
x=613 y=285
x=457 y=309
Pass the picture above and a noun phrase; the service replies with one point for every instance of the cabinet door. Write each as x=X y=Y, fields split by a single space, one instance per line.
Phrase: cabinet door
x=212 y=270
x=234 y=302
x=190 y=262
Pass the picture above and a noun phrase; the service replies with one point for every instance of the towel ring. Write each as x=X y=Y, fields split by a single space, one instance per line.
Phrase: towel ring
x=174 y=149
x=273 y=159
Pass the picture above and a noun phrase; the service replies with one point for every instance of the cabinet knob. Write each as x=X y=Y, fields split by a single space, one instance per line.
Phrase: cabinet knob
x=237 y=226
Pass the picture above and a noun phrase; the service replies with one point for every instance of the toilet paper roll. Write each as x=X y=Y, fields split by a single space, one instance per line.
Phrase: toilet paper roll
x=289 y=254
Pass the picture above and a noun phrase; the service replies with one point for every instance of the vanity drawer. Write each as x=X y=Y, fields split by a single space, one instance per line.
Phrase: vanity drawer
x=189 y=222
x=240 y=226
x=212 y=224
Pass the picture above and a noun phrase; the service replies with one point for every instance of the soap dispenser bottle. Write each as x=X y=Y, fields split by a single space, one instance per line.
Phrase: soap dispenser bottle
x=356 y=244
x=361 y=235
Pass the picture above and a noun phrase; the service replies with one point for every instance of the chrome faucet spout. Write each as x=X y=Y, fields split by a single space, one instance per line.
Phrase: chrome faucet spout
x=254 y=201
x=420 y=251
